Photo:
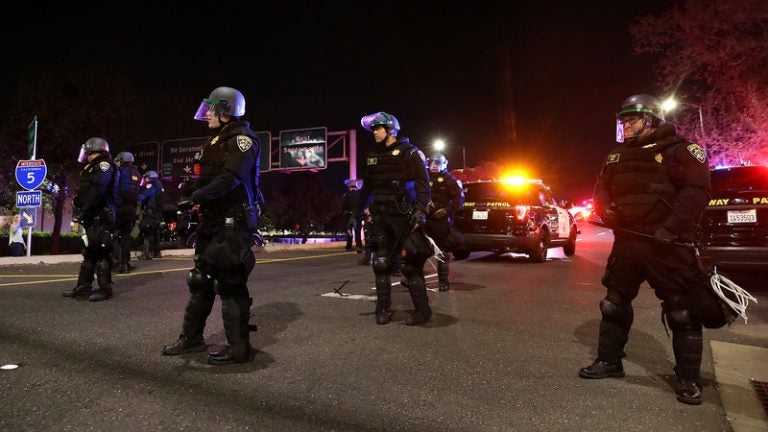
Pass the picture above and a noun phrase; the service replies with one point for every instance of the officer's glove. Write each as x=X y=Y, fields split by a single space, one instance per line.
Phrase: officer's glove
x=418 y=219
x=665 y=235
x=611 y=215
x=439 y=213
x=185 y=204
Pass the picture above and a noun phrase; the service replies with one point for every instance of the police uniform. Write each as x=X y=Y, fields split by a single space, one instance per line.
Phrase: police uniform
x=226 y=190
x=447 y=194
x=396 y=186
x=151 y=216
x=127 y=185
x=94 y=208
x=656 y=185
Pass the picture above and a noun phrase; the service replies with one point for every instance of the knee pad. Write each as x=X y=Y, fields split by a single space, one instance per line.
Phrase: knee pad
x=199 y=282
x=620 y=314
x=681 y=319
x=381 y=265
x=103 y=267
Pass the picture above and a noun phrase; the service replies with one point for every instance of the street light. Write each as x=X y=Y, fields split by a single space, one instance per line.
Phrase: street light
x=671 y=103
x=438 y=145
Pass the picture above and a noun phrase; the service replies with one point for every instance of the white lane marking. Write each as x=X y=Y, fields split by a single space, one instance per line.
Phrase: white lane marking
x=349 y=296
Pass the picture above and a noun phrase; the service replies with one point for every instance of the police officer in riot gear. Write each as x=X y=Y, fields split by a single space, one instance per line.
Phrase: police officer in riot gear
x=127 y=187
x=447 y=197
x=349 y=204
x=227 y=191
x=94 y=212
x=396 y=191
x=656 y=183
x=151 y=214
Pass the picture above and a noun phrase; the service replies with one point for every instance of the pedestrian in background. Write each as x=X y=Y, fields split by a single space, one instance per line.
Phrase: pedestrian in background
x=652 y=191
x=349 y=204
x=16 y=237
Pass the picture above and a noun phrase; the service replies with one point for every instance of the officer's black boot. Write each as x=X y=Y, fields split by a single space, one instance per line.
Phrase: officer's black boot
x=235 y=314
x=383 y=303
x=84 y=281
x=418 y=290
x=442 y=275
x=687 y=345
x=191 y=337
x=614 y=333
x=104 y=279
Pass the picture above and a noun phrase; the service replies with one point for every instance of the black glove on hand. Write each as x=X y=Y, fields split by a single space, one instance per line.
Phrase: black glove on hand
x=665 y=235
x=185 y=203
x=418 y=218
x=611 y=216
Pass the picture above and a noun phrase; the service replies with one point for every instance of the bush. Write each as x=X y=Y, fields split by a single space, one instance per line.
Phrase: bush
x=41 y=243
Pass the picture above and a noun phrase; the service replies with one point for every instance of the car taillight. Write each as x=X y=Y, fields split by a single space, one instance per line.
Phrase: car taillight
x=521 y=211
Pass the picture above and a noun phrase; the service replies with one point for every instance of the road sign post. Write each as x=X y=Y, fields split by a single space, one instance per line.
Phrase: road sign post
x=30 y=174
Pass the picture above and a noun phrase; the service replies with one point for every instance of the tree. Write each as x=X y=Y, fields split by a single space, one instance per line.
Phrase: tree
x=71 y=107
x=713 y=55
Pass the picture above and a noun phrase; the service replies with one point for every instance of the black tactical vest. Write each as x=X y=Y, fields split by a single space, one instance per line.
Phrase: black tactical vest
x=212 y=165
x=640 y=185
x=387 y=173
x=127 y=186
x=441 y=193
x=90 y=172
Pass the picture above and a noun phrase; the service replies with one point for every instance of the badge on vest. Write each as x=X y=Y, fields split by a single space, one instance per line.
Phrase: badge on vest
x=612 y=158
x=370 y=161
x=659 y=158
x=244 y=142
x=440 y=179
x=395 y=152
x=215 y=139
x=104 y=166
x=697 y=152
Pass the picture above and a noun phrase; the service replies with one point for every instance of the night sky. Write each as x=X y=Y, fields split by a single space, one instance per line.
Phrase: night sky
x=436 y=65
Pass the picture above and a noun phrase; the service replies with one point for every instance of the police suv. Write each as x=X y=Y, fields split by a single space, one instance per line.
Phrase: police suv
x=734 y=227
x=513 y=215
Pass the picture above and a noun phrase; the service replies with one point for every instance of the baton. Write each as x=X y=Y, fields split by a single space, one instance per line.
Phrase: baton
x=640 y=234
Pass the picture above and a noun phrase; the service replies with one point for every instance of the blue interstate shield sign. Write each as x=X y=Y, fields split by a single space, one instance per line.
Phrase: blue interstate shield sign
x=31 y=173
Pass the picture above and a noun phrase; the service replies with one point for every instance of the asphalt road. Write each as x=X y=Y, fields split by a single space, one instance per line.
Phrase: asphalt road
x=501 y=354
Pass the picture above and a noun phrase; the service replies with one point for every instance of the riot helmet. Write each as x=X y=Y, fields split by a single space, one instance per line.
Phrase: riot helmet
x=152 y=175
x=381 y=118
x=637 y=114
x=438 y=162
x=125 y=156
x=222 y=100
x=93 y=145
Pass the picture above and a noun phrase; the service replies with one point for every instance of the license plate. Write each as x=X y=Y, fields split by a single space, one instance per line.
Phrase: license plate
x=742 y=216
x=480 y=214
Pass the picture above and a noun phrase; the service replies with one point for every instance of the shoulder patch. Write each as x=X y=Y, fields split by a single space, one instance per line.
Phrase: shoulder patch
x=104 y=166
x=244 y=142
x=697 y=152
x=612 y=158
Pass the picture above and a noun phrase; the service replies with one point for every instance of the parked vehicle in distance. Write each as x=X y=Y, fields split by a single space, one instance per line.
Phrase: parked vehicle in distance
x=513 y=215
x=734 y=227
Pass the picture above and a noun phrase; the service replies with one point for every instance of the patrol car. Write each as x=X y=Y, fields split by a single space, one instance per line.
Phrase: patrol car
x=513 y=215
x=734 y=227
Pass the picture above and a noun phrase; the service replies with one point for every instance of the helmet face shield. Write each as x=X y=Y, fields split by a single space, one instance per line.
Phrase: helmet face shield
x=83 y=156
x=389 y=121
x=619 y=131
x=206 y=106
